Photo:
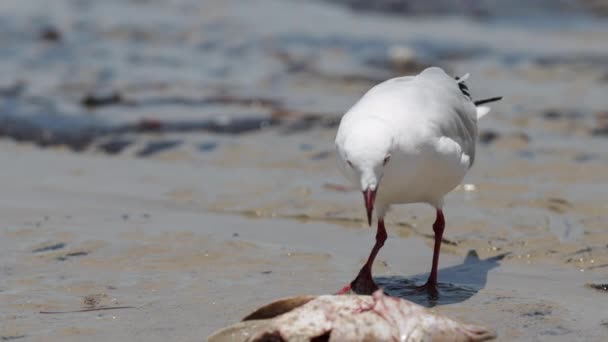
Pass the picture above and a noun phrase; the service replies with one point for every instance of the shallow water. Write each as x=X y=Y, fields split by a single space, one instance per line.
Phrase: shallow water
x=192 y=121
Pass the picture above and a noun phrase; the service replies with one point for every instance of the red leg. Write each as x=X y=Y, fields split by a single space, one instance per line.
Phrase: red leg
x=364 y=283
x=438 y=227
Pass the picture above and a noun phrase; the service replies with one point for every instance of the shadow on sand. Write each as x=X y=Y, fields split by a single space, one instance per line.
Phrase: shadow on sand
x=458 y=283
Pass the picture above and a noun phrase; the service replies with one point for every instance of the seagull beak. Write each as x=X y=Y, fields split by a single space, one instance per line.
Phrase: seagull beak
x=370 y=198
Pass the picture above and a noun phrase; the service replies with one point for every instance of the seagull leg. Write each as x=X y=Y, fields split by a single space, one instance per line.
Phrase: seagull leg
x=364 y=283
x=431 y=284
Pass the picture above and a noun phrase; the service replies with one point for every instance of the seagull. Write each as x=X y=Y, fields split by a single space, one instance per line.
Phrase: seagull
x=410 y=139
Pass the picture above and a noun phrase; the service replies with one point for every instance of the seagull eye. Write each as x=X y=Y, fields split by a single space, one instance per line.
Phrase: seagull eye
x=349 y=163
x=386 y=159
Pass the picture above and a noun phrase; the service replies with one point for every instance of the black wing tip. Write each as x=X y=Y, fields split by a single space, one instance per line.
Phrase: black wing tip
x=484 y=101
x=464 y=89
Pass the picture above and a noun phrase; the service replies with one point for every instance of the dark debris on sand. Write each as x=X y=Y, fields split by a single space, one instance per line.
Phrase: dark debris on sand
x=115 y=146
x=487 y=137
x=72 y=255
x=50 y=34
x=92 y=101
x=114 y=139
x=47 y=248
x=598 y=287
x=11 y=337
x=157 y=146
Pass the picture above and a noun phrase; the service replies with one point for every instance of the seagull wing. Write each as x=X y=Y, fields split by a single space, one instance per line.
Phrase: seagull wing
x=437 y=105
x=453 y=108
x=429 y=104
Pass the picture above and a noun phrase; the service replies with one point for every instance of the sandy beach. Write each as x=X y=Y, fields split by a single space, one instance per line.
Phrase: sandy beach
x=176 y=160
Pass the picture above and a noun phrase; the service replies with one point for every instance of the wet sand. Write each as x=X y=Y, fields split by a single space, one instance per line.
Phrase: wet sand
x=129 y=234
x=182 y=165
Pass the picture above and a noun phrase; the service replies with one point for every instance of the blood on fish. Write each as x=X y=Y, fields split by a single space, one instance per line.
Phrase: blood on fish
x=348 y=318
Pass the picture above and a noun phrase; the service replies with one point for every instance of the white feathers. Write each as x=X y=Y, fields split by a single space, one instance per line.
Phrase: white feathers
x=482 y=111
x=427 y=123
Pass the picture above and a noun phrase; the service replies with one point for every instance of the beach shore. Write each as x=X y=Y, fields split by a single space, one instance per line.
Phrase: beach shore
x=87 y=231
x=176 y=160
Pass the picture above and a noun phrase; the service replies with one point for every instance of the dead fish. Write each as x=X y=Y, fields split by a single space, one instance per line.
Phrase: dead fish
x=348 y=318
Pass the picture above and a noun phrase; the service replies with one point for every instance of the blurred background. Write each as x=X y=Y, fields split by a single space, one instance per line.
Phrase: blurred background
x=262 y=84
x=127 y=108
x=97 y=76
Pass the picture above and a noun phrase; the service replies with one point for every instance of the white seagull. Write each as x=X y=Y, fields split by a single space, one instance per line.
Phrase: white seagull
x=408 y=140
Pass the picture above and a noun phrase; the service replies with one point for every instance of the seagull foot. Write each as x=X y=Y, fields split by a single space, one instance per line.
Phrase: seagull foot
x=430 y=288
x=363 y=285
x=345 y=290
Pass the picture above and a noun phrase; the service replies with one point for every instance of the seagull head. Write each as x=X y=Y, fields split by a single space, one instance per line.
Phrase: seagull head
x=364 y=154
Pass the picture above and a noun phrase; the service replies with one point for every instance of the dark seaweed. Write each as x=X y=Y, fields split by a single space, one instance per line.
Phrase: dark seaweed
x=155 y=147
x=71 y=255
x=53 y=247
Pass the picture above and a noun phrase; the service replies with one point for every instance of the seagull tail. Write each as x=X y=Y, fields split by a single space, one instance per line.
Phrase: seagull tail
x=483 y=110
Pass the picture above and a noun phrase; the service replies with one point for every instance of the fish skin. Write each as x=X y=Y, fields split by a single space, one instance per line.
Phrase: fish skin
x=349 y=318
